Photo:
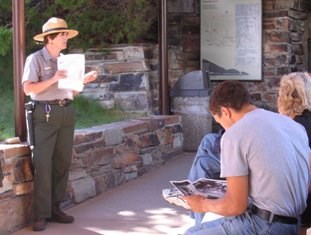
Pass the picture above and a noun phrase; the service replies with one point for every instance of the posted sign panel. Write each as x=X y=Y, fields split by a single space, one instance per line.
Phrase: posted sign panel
x=231 y=39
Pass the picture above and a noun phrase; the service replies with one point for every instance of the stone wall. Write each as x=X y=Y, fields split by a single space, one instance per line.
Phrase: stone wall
x=128 y=77
x=103 y=157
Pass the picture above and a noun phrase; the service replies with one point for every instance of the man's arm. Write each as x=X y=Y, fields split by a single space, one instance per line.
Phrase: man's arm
x=234 y=202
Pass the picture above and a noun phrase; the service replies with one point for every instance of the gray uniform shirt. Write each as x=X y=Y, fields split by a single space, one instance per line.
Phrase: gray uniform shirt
x=273 y=151
x=40 y=66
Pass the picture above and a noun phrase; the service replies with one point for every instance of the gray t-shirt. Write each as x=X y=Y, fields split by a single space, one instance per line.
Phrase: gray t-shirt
x=40 y=66
x=273 y=150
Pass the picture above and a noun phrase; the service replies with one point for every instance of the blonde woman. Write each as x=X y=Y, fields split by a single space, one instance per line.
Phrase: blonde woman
x=294 y=100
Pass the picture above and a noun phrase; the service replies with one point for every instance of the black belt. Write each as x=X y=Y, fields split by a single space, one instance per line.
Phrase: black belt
x=61 y=103
x=269 y=216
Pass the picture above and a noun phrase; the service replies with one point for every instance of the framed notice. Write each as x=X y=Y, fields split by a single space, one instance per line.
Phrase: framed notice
x=231 y=39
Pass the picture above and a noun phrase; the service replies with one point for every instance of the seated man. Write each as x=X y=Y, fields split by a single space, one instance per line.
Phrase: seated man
x=258 y=151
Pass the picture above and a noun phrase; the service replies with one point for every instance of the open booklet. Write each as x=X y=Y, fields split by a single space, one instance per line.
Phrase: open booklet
x=210 y=188
x=75 y=66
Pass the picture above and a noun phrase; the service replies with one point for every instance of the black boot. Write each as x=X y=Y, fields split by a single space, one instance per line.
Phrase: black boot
x=59 y=216
x=39 y=224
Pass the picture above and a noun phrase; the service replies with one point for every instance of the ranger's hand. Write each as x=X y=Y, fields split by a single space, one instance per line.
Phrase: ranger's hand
x=60 y=74
x=90 y=76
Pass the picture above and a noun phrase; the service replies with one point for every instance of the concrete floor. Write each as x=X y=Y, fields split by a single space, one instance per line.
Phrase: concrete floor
x=135 y=208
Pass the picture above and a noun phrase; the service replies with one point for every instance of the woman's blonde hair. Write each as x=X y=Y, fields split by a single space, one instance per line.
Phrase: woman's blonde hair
x=294 y=94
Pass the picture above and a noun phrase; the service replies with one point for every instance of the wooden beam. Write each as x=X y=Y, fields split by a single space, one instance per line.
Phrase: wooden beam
x=163 y=85
x=18 y=9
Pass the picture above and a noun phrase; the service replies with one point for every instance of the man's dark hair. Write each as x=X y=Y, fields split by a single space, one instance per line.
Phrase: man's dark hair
x=230 y=94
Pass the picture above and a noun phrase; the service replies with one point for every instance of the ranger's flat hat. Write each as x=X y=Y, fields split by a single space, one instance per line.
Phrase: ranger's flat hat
x=55 y=25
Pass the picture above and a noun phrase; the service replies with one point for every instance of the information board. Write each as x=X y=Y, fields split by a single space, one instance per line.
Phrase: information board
x=231 y=39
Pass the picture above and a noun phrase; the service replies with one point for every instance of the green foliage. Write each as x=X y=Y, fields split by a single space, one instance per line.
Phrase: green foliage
x=6 y=12
x=99 y=22
x=6 y=38
x=5 y=27
x=7 y=97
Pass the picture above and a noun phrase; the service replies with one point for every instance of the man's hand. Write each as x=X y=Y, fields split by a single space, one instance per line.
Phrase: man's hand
x=234 y=202
x=195 y=202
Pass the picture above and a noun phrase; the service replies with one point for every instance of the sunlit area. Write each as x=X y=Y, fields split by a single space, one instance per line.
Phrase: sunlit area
x=165 y=220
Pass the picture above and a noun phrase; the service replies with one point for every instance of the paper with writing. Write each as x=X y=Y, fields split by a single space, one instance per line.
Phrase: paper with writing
x=75 y=66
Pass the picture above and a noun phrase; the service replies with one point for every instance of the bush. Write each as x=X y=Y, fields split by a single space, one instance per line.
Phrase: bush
x=7 y=97
x=99 y=22
x=5 y=40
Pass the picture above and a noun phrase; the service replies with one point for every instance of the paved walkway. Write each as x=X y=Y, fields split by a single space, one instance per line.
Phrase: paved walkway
x=134 y=208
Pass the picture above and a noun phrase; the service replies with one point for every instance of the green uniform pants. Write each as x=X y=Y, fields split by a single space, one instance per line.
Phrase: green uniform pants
x=52 y=154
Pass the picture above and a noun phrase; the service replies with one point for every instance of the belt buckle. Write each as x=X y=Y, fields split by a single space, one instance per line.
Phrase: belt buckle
x=62 y=103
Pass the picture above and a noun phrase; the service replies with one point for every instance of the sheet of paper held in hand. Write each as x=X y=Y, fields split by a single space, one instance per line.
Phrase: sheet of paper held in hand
x=75 y=66
x=210 y=188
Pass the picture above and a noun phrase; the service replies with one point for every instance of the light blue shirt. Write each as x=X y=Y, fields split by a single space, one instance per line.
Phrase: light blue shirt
x=273 y=150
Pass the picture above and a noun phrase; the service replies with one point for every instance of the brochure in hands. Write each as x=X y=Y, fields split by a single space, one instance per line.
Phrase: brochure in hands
x=210 y=188
x=75 y=66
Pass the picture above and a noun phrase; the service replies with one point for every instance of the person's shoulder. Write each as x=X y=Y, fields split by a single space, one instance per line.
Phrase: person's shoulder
x=306 y=115
x=273 y=114
x=304 y=119
x=266 y=111
x=263 y=117
x=35 y=54
x=260 y=113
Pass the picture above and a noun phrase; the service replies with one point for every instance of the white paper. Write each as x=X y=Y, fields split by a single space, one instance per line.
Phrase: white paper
x=210 y=216
x=75 y=66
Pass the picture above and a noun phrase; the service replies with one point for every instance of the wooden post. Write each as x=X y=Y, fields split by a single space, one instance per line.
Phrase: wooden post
x=163 y=86
x=18 y=9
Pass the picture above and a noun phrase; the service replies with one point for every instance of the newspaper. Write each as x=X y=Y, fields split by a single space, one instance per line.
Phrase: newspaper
x=75 y=66
x=209 y=188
